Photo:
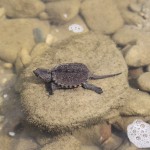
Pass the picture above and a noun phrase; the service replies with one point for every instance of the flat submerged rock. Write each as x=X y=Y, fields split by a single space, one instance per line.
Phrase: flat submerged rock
x=101 y=15
x=64 y=143
x=75 y=108
x=17 y=34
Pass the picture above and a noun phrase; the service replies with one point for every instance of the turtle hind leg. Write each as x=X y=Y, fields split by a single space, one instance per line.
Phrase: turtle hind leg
x=92 y=87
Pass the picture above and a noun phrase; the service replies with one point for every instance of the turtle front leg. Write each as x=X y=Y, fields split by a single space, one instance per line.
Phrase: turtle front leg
x=51 y=87
x=92 y=87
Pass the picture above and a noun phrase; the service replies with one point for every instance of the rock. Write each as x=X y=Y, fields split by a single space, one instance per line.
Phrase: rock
x=51 y=0
x=1 y=119
x=62 y=11
x=127 y=146
x=25 y=144
x=78 y=107
x=38 y=35
x=5 y=142
x=14 y=116
x=112 y=143
x=43 y=139
x=43 y=16
x=89 y=147
x=135 y=72
x=148 y=68
x=39 y=49
x=18 y=34
x=137 y=104
x=139 y=133
x=135 y=7
x=124 y=4
x=136 y=13
x=132 y=18
x=23 y=59
x=139 y=54
x=145 y=13
x=129 y=11
x=11 y=134
x=22 y=8
x=143 y=81
x=96 y=134
x=127 y=35
x=82 y=144
x=64 y=143
x=101 y=15
x=50 y=39
x=7 y=65
x=131 y=115
x=2 y=13
x=105 y=132
x=1 y=103
x=62 y=32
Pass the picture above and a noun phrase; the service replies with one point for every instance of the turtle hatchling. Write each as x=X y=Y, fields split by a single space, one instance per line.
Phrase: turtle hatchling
x=68 y=76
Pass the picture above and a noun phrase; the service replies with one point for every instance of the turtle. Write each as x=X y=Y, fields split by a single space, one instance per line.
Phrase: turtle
x=68 y=76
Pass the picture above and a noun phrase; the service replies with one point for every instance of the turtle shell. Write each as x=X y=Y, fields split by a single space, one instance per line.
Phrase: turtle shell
x=70 y=75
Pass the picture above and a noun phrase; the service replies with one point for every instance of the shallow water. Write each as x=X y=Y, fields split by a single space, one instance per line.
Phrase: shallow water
x=41 y=33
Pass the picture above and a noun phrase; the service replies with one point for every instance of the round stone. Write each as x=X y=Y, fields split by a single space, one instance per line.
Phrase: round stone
x=144 y=82
x=68 y=109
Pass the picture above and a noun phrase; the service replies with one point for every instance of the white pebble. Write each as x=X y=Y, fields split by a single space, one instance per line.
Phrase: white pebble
x=65 y=15
x=49 y=39
x=5 y=95
x=139 y=133
x=76 y=28
x=11 y=133
x=4 y=80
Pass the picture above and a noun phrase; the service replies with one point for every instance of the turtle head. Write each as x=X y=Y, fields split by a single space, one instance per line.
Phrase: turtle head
x=44 y=74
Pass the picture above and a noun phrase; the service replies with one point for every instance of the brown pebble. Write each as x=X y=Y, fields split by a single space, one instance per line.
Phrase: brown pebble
x=7 y=65
x=135 y=72
x=112 y=143
x=105 y=132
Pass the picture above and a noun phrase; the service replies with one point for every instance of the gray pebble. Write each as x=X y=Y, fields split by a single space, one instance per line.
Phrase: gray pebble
x=144 y=81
